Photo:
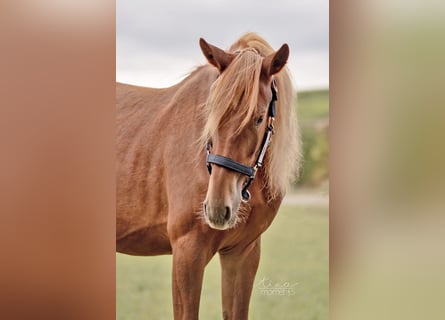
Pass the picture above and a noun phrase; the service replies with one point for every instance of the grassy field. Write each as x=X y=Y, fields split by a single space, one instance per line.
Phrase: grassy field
x=294 y=250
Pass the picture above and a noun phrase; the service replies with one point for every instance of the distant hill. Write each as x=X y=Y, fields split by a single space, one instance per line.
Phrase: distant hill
x=312 y=105
x=313 y=116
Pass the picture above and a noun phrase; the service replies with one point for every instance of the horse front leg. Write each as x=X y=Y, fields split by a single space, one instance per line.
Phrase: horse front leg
x=189 y=261
x=238 y=270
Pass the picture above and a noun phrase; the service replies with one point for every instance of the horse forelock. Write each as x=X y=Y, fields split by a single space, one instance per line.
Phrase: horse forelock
x=234 y=93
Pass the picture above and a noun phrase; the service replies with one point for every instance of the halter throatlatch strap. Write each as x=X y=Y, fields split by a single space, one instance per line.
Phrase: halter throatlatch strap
x=233 y=165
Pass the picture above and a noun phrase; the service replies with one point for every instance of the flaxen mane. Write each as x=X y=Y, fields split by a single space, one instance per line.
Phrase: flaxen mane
x=239 y=85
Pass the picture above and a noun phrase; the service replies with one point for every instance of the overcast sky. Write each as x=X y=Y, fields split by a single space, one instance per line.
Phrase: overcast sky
x=157 y=41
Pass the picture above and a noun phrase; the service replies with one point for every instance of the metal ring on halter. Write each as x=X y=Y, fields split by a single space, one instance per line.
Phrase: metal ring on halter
x=245 y=195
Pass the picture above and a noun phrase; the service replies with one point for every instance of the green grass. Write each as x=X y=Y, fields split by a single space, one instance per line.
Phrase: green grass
x=294 y=250
x=313 y=105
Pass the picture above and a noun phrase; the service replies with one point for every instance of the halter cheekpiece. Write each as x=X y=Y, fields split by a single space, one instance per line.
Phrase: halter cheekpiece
x=233 y=165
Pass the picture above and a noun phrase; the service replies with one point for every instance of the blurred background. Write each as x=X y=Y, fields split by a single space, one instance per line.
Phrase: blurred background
x=387 y=153
x=157 y=46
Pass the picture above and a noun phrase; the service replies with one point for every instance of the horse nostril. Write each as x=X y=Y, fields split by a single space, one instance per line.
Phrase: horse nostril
x=227 y=215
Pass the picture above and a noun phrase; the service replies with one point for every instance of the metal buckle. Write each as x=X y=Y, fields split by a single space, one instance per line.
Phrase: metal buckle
x=245 y=195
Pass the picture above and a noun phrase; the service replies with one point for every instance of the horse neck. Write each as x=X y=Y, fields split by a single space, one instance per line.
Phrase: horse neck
x=197 y=84
x=186 y=105
x=190 y=95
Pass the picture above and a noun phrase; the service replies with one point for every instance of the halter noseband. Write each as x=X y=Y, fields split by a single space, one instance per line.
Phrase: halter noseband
x=241 y=168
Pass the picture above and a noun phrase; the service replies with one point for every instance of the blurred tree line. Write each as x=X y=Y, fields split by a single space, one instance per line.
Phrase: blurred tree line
x=313 y=117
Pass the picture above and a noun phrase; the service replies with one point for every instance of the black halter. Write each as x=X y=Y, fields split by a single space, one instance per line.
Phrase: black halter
x=241 y=168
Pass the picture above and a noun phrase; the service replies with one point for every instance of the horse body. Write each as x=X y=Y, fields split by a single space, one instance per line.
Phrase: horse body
x=147 y=152
x=162 y=183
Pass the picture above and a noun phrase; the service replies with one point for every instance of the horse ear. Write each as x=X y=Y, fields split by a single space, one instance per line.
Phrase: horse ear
x=215 y=56
x=274 y=62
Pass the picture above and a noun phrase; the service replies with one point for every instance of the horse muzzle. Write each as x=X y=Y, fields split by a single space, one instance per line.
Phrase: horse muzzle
x=219 y=216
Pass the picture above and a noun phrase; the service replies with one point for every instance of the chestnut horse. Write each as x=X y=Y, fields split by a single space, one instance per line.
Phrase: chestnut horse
x=221 y=118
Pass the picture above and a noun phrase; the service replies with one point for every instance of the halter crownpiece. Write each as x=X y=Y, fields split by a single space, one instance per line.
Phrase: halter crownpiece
x=233 y=165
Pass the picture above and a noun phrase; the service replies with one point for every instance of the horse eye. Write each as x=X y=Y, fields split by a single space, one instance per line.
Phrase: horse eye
x=259 y=121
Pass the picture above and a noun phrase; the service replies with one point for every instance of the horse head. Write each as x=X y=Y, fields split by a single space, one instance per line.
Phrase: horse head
x=240 y=114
